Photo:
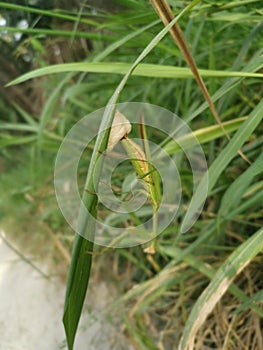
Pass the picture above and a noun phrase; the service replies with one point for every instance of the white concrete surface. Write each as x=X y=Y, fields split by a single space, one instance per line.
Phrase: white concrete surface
x=31 y=309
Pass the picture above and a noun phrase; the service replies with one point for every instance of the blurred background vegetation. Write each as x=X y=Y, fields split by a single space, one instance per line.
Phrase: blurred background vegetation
x=36 y=115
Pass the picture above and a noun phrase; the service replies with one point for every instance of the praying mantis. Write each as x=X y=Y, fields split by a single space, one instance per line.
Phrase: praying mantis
x=140 y=158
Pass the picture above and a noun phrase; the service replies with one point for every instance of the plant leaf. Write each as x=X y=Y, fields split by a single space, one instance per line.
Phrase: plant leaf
x=222 y=161
x=143 y=70
x=203 y=135
x=221 y=281
x=234 y=193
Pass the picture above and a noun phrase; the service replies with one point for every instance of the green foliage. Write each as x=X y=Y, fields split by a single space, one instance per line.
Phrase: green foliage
x=179 y=286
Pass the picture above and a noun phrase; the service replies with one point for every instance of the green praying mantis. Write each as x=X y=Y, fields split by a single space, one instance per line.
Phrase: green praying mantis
x=140 y=158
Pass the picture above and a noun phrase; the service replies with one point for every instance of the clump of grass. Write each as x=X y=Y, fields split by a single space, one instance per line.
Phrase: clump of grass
x=200 y=270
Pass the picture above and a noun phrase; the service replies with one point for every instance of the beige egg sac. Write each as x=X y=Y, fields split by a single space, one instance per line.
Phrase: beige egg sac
x=120 y=128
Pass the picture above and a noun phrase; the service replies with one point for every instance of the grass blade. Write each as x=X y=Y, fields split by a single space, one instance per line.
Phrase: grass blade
x=222 y=280
x=80 y=266
x=41 y=12
x=208 y=271
x=234 y=193
x=203 y=135
x=54 y=32
x=222 y=161
x=143 y=70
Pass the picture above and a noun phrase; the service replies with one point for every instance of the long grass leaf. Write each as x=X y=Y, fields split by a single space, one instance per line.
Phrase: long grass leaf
x=202 y=135
x=254 y=65
x=143 y=70
x=12 y=141
x=57 y=32
x=53 y=13
x=208 y=271
x=234 y=193
x=221 y=281
x=222 y=161
x=114 y=46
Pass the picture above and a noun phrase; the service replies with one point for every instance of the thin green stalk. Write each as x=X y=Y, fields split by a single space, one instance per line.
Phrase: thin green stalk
x=53 y=13
x=54 y=32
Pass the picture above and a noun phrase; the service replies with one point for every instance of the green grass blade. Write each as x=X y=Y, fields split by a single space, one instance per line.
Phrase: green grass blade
x=57 y=32
x=18 y=127
x=203 y=135
x=254 y=201
x=223 y=278
x=77 y=284
x=46 y=114
x=222 y=161
x=226 y=100
x=257 y=298
x=42 y=12
x=15 y=140
x=114 y=46
x=253 y=65
x=208 y=271
x=143 y=70
x=26 y=116
x=234 y=193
